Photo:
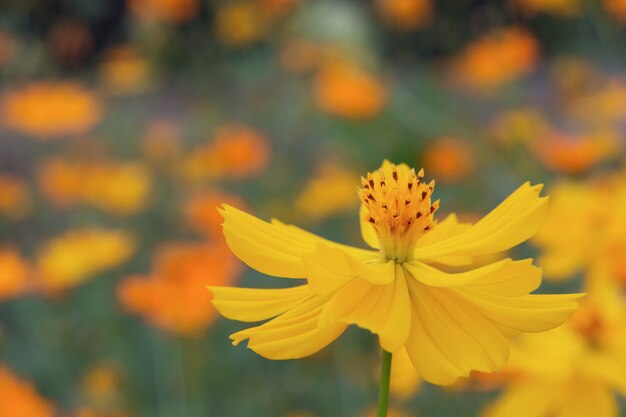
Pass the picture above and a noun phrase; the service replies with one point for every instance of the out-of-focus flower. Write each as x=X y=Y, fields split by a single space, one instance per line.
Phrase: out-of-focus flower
x=615 y=9
x=240 y=22
x=393 y=290
x=235 y=151
x=15 y=274
x=125 y=71
x=601 y=106
x=585 y=229
x=344 y=89
x=15 y=197
x=200 y=211
x=20 y=398
x=329 y=192
x=8 y=47
x=73 y=257
x=519 y=126
x=574 y=154
x=117 y=187
x=572 y=370
x=171 y=11
x=499 y=57
x=277 y=7
x=49 y=109
x=405 y=14
x=555 y=7
x=449 y=159
x=86 y=412
x=392 y=412
x=101 y=387
x=174 y=297
x=70 y=41
x=405 y=381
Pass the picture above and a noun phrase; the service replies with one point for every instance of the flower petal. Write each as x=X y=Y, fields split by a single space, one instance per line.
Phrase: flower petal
x=515 y=220
x=367 y=230
x=294 y=334
x=506 y=277
x=445 y=229
x=253 y=304
x=463 y=336
x=272 y=248
x=529 y=313
x=382 y=309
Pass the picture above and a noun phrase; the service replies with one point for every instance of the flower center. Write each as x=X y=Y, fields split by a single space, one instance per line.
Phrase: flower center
x=397 y=203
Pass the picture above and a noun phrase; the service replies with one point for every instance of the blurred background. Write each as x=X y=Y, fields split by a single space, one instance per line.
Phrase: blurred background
x=123 y=124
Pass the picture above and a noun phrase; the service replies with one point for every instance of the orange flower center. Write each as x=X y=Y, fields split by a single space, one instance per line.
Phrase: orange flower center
x=398 y=204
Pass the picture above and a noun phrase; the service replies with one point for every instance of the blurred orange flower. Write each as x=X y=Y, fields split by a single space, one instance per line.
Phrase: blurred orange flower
x=616 y=9
x=601 y=106
x=449 y=159
x=172 y=11
x=235 y=151
x=49 y=109
x=120 y=188
x=405 y=14
x=555 y=7
x=101 y=387
x=73 y=257
x=346 y=90
x=240 y=22
x=574 y=154
x=200 y=211
x=15 y=274
x=173 y=297
x=125 y=71
x=498 y=57
x=15 y=197
x=18 y=398
x=329 y=192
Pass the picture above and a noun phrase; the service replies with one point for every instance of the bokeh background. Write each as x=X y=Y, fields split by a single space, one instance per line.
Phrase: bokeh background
x=123 y=124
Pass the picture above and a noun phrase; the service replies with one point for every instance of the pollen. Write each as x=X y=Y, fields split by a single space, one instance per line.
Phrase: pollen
x=397 y=203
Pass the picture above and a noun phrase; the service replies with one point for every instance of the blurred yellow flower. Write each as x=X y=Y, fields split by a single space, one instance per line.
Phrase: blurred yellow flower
x=172 y=296
x=235 y=151
x=574 y=154
x=344 y=89
x=73 y=257
x=450 y=324
x=572 y=370
x=15 y=199
x=328 y=193
x=49 y=109
x=240 y=22
x=124 y=71
x=101 y=384
x=449 y=159
x=19 y=398
x=499 y=57
x=555 y=7
x=15 y=274
x=601 y=106
x=405 y=14
x=120 y=188
x=172 y=11
x=585 y=229
x=523 y=125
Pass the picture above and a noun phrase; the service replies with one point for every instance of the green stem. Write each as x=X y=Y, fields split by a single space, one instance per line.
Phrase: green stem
x=383 y=390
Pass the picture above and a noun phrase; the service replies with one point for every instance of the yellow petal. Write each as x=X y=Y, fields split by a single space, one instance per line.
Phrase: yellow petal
x=528 y=313
x=534 y=397
x=506 y=277
x=445 y=229
x=294 y=334
x=382 y=309
x=273 y=249
x=515 y=220
x=463 y=336
x=367 y=230
x=253 y=304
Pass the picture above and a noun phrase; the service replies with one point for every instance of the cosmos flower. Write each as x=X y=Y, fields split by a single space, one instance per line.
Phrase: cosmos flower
x=19 y=397
x=449 y=323
x=574 y=369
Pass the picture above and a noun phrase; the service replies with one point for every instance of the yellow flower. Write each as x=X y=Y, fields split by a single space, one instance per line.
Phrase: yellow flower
x=585 y=229
x=240 y=23
x=71 y=258
x=405 y=381
x=14 y=279
x=449 y=323
x=125 y=71
x=572 y=370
